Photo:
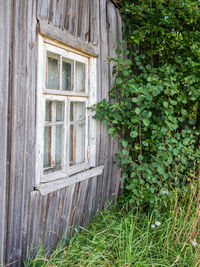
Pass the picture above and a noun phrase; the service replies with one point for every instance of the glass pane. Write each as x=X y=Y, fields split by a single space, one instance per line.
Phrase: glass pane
x=80 y=77
x=47 y=140
x=77 y=111
x=66 y=75
x=77 y=144
x=71 y=145
x=52 y=71
x=54 y=111
x=59 y=110
x=48 y=111
x=59 y=132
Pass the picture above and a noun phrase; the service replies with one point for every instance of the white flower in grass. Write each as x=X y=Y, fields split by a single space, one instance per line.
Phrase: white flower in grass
x=194 y=243
x=153 y=226
x=164 y=192
x=157 y=223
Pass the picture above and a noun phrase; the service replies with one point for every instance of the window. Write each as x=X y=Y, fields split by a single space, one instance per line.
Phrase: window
x=66 y=133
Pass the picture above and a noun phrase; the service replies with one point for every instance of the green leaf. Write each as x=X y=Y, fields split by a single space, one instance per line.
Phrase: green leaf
x=165 y=104
x=128 y=62
x=118 y=81
x=161 y=170
x=137 y=111
x=118 y=51
x=173 y=102
x=124 y=143
x=146 y=122
x=134 y=134
x=133 y=174
x=112 y=131
x=134 y=99
x=184 y=112
x=140 y=157
x=124 y=152
x=125 y=73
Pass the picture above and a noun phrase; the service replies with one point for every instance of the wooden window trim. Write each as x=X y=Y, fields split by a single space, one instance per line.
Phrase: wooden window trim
x=57 y=95
x=55 y=185
x=63 y=36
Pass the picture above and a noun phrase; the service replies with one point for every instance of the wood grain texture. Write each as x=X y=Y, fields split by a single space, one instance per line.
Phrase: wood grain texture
x=30 y=219
x=47 y=188
x=21 y=123
x=5 y=12
x=67 y=38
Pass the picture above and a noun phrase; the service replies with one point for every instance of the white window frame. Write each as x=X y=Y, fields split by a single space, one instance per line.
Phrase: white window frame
x=89 y=97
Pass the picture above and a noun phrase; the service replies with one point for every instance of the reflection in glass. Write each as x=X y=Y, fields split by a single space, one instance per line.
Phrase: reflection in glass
x=59 y=131
x=66 y=75
x=59 y=110
x=47 y=140
x=80 y=77
x=48 y=110
x=52 y=71
x=77 y=144
x=77 y=111
x=54 y=111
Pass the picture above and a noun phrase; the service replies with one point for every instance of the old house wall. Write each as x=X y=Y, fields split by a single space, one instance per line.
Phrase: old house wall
x=27 y=218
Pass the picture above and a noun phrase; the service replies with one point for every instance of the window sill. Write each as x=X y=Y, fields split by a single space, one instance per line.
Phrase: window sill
x=47 y=188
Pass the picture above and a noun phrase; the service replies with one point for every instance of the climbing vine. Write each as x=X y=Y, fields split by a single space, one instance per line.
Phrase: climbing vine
x=154 y=107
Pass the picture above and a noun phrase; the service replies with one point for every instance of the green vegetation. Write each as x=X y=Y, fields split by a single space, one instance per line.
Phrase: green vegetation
x=154 y=107
x=118 y=238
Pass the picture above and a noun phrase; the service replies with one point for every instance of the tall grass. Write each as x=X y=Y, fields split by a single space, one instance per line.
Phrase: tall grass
x=114 y=239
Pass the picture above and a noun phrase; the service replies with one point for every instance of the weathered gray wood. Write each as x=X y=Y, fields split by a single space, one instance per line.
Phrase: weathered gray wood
x=5 y=12
x=112 y=45
x=101 y=94
x=84 y=19
x=21 y=123
x=67 y=38
x=73 y=17
x=43 y=9
x=47 y=188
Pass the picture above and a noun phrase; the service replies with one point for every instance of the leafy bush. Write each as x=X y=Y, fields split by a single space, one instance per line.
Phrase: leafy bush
x=154 y=108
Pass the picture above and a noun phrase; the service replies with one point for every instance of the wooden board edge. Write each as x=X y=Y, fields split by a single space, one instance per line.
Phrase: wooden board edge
x=47 y=188
x=65 y=37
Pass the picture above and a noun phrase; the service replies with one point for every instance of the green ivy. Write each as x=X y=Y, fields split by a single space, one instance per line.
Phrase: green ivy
x=154 y=108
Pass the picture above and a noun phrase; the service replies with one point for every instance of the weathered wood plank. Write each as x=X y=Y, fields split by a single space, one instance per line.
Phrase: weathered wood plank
x=64 y=224
x=43 y=8
x=47 y=188
x=95 y=38
x=15 y=184
x=5 y=15
x=83 y=20
x=112 y=45
x=67 y=38
x=21 y=124
x=72 y=16
x=101 y=94
x=94 y=23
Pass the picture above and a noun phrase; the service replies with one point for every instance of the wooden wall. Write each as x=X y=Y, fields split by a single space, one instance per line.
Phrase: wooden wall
x=27 y=218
